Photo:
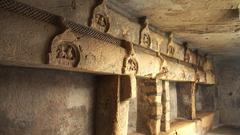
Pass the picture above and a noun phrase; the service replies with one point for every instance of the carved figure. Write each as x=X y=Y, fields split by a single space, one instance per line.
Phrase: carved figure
x=100 y=20
x=65 y=54
x=145 y=38
x=187 y=56
x=171 y=50
x=130 y=65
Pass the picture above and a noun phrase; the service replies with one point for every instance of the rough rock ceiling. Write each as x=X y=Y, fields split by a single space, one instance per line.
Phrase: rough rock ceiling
x=210 y=25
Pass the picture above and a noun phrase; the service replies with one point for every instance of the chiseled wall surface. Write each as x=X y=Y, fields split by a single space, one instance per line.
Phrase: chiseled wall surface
x=45 y=102
x=229 y=91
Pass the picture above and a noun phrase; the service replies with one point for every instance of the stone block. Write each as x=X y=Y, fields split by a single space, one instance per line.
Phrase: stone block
x=128 y=87
x=154 y=126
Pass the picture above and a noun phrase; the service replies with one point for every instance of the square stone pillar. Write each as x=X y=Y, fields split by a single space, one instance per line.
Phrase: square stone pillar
x=112 y=104
x=186 y=95
x=166 y=107
x=149 y=106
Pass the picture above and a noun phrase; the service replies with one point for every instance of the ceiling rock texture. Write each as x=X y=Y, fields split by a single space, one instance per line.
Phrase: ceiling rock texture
x=209 y=25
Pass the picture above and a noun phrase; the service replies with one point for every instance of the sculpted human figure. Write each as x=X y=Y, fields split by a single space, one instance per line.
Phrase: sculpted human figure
x=70 y=54
x=100 y=19
x=61 y=52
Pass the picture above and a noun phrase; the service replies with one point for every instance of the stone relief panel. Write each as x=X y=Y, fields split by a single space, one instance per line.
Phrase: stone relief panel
x=170 y=47
x=64 y=52
x=145 y=37
x=100 y=19
x=130 y=64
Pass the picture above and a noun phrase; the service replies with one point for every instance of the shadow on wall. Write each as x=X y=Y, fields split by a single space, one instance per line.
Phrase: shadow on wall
x=228 y=76
x=49 y=102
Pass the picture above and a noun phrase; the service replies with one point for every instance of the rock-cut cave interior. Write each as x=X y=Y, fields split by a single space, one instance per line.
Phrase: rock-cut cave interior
x=119 y=67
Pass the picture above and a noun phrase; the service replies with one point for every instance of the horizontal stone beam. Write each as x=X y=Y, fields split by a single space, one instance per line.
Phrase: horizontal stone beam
x=74 y=52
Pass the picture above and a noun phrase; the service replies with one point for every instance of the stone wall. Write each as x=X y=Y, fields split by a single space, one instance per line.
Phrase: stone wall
x=132 y=119
x=49 y=102
x=206 y=98
x=229 y=92
x=173 y=101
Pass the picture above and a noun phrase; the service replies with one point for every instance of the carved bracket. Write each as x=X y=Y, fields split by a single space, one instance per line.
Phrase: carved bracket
x=170 y=48
x=187 y=53
x=163 y=72
x=100 y=19
x=145 y=37
x=64 y=53
x=130 y=64
x=163 y=69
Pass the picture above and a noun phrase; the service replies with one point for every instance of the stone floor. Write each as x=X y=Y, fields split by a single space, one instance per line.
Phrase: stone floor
x=225 y=130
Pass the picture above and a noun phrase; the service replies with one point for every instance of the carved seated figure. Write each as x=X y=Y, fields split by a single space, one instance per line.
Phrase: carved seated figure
x=61 y=52
x=131 y=66
x=102 y=23
x=146 y=40
x=65 y=55
x=70 y=53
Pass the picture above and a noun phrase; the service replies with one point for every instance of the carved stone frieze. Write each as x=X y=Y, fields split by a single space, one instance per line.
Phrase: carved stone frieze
x=145 y=36
x=100 y=19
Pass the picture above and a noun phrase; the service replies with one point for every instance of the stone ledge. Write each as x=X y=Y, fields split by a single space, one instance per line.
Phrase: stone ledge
x=201 y=125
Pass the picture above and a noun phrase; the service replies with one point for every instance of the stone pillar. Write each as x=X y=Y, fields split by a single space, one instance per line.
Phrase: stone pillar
x=165 y=126
x=186 y=100
x=113 y=94
x=149 y=106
